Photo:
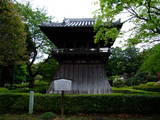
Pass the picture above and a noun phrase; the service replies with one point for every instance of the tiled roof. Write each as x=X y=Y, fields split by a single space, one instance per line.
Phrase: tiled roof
x=73 y=22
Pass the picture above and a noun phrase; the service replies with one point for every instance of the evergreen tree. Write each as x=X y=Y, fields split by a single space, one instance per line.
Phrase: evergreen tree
x=12 y=40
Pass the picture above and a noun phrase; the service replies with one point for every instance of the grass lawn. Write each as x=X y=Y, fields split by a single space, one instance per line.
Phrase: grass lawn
x=130 y=90
x=83 y=117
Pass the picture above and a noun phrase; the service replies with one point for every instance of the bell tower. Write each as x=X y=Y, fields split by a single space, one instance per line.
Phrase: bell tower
x=81 y=60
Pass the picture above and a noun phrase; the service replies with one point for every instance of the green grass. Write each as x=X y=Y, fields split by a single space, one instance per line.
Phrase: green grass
x=130 y=90
x=82 y=117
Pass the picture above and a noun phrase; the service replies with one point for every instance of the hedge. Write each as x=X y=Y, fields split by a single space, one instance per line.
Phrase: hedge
x=150 y=86
x=18 y=103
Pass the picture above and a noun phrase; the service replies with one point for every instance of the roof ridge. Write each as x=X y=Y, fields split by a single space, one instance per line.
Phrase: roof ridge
x=78 y=19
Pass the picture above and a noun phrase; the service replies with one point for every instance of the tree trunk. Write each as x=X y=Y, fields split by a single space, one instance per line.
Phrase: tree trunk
x=13 y=75
x=5 y=76
x=31 y=81
x=30 y=76
x=2 y=81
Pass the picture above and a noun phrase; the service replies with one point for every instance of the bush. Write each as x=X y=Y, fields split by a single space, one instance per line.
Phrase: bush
x=150 y=83
x=4 y=90
x=48 y=116
x=73 y=104
x=39 y=87
x=150 y=86
x=132 y=81
x=118 y=81
x=140 y=78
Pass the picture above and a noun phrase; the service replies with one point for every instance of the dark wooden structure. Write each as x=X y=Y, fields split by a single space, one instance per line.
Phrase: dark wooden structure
x=81 y=60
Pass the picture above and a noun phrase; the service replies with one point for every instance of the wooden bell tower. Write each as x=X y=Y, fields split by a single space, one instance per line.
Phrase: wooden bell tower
x=81 y=60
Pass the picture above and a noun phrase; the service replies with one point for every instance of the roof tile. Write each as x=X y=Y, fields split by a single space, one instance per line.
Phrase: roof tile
x=74 y=22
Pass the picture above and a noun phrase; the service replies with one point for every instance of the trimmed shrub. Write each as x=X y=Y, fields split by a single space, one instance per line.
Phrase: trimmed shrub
x=118 y=81
x=4 y=90
x=48 y=116
x=39 y=87
x=150 y=86
x=73 y=104
x=13 y=103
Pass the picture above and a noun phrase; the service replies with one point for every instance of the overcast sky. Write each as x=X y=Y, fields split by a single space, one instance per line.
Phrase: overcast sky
x=75 y=9
x=66 y=8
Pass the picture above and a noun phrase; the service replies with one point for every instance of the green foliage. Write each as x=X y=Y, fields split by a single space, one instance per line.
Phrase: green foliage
x=48 y=116
x=150 y=86
x=106 y=34
x=21 y=73
x=39 y=77
x=40 y=87
x=117 y=81
x=139 y=78
x=130 y=90
x=132 y=81
x=37 y=42
x=114 y=103
x=12 y=35
x=151 y=83
x=33 y=19
x=18 y=117
x=144 y=14
x=124 y=61
x=4 y=90
x=151 y=62
x=48 y=68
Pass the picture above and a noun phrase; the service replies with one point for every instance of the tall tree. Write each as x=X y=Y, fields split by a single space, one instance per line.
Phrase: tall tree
x=37 y=42
x=151 y=62
x=125 y=61
x=48 y=69
x=145 y=14
x=12 y=39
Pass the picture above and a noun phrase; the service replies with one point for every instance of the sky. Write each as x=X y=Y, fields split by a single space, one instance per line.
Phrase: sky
x=66 y=8
x=61 y=9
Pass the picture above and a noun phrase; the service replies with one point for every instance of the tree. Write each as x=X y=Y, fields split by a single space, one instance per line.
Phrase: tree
x=123 y=66
x=21 y=73
x=48 y=69
x=37 y=42
x=151 y=63
x=123 y=62
x=145 y=14
x=12 y=40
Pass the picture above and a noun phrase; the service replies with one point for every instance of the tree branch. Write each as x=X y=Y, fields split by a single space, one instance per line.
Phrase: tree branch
x=148 y=8
x=39 y=67
x=158 y=40
x=40 y=44
x=154 y=12
x=137 y=15
x=128 y=19
x=34 y=58
x=158 y=9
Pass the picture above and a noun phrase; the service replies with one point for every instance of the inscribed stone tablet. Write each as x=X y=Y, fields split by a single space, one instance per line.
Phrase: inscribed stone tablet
x=62 y=84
